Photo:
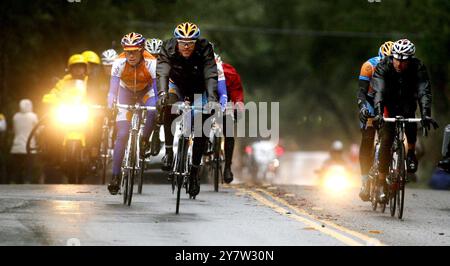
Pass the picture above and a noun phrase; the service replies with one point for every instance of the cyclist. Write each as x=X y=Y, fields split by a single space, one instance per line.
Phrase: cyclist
x=400 y=82
x=235 y=94
x=153 y=46
x=188 y=61
x=132 y=80
x=365 y=103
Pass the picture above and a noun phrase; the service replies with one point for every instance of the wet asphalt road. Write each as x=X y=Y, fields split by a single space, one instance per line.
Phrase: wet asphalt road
x=426 y=219
x=236 y=216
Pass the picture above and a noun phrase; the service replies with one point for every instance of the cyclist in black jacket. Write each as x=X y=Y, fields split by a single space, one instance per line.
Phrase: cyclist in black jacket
x=186 y=66
x=401 y=83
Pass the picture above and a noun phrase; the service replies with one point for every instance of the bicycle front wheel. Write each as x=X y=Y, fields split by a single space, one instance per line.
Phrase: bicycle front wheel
x=180 y=169
x=132 y=169
x=401 y=182
x=128 y=170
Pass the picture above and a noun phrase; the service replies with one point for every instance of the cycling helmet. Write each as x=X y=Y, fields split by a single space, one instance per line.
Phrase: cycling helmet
x=385 y=49
x=109 y=56
x=403 y=49
x=153 y=46
x=187 y=30
x=91 y=57
x=76 y=59
x=133 y=41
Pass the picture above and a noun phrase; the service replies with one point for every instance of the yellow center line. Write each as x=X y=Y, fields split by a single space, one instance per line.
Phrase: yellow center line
x=368 y=240
x=316 y=225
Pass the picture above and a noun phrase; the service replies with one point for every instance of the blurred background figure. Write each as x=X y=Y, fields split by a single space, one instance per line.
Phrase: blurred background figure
x=97 y=91
x=2 y=148
x=21 y=164
x=336 y=155
x=263 y=160
x=2 y=123
x=441 y=175
x=445 y=162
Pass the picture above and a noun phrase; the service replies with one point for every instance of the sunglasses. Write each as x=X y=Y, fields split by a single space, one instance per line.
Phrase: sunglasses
x=187 y=43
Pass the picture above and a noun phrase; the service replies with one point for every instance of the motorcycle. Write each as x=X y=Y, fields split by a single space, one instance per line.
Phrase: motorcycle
x=62 y=132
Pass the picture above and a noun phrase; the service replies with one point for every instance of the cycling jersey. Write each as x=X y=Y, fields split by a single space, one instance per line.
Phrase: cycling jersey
x=399 y=93
x=68 y=86
x=234 y=84
x=194 y=75
x=135 y=78
x=366 y=92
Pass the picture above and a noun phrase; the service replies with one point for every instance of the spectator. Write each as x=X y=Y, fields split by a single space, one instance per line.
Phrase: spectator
x=23 y=123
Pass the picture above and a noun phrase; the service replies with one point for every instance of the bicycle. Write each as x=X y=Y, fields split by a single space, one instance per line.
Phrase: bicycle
x=214 y=159
x=106 y=145
x=182 y=160
x=374 y=177
x=133 y=161
x=396 y=178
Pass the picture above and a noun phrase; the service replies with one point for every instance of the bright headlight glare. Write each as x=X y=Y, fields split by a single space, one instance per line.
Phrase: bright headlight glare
x=72 y=114
x=337 y=179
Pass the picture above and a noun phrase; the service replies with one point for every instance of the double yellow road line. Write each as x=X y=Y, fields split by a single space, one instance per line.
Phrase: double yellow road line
x=342 y=234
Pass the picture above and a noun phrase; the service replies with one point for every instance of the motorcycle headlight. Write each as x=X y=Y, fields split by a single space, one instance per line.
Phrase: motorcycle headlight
x=72 y=114
x=337 y=179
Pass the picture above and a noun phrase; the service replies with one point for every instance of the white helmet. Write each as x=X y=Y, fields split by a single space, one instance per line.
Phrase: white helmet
x=153 y=46
x=403 y=49
x=337 y=146
x=108 y=57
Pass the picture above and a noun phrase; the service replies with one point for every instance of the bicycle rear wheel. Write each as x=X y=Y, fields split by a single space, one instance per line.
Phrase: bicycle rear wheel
x=125 y=187
x=216 y=163
x=141 y=176
x=373 y=193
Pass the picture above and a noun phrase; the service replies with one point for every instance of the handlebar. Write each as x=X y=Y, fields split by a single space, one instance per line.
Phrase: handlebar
x=134 y=107
x=401 y=119
x=187 y=107
x=408 y=120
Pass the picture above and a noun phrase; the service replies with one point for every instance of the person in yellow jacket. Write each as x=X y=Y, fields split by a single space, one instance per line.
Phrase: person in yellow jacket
x=77 y=67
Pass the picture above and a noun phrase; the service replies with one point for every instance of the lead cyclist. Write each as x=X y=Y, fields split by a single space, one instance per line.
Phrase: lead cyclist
x=133 y=79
